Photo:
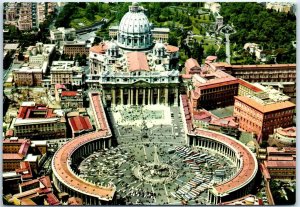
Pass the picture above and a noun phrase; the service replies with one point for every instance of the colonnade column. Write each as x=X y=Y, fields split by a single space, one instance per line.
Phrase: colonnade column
x=144 y=94
x=149 y=101
x=176 y=97
x=121 y=93
x=137 y=96
x=113 y=93
x=158 y=94
x=166 y=96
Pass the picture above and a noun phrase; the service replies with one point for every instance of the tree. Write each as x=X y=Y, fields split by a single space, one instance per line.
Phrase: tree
x=221 y=53
x=211 y=51
x=173 y=39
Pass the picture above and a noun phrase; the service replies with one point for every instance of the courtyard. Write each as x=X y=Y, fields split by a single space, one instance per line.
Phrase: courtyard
x=156 y=169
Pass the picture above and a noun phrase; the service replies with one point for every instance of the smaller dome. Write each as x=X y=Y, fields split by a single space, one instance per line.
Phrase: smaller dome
x=113 y=45
x=159 y=45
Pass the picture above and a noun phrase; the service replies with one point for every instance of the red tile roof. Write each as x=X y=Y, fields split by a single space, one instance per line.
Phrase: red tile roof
x=9 y=133
x=186 y=76
x=137 y=61
x=80 y=123
x=25 y=170
x=24 y=148
x=249 y=85
x=264 y=66
x=191 y=63
x=101 y=48
x=288 y=132
x=211 y=58
x=45 y=180
x=171 y=48
x=280 y=164
x=68 y=93
x=52 y=199
x=59 y=86
x=265 y=108
x=10 y=156
x=74 y=201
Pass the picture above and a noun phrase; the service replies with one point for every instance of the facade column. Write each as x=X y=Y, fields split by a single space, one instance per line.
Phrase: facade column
x=113 y=93
x=149 y=96
x=128 y=98
x=131 y=95
x=158 y=95
x=121 y=94
x=144 y=94
x=137 y=96
x=166 y=96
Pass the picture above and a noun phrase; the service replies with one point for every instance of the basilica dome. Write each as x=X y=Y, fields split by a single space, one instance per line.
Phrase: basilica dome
x=134 y=30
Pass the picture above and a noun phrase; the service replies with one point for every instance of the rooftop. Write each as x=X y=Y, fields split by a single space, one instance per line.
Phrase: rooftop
x=80 y=123
x=288 y=132
x=137 y=61
x=267 y=107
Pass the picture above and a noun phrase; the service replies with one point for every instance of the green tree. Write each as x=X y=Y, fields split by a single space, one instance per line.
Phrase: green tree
x=211 y=51
x=221 y=53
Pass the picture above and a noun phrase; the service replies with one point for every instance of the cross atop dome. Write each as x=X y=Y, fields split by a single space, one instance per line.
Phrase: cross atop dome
x=135 y=7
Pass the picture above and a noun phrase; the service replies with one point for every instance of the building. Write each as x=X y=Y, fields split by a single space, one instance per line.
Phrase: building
x=280 y=76
x=248 y=200
x=212 y=6
x=62 y=34
x=11 y=12
x=161 y=34
x=28 y=74
x=80 y=125
x=283 y=137
x=133 y=70
x=14 y=152
x=285 y=7
x=36 y=61
x=35 y=192
x=27 y=15
x=113 y=31
x=39 y=122
x=261 y=115
x=192 y=66
x=11 y=179
x=71 y=99
x=72 y=48
x=212 y=90
x=67 y=73
x=246 y=88
x=280 y=163
x=25 y=171
x=253 y=48
x=205 y=119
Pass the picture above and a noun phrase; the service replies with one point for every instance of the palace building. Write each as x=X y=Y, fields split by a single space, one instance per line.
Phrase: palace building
x=135 y=69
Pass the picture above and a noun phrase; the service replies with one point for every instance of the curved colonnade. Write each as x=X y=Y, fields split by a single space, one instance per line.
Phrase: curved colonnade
x=65 y=178
x=238 y=184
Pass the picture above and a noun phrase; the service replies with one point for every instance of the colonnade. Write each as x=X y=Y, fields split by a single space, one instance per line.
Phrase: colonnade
x=89 y=148
x=218 y=147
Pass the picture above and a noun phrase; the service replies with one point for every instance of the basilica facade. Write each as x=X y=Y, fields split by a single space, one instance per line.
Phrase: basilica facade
x=135 y=69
